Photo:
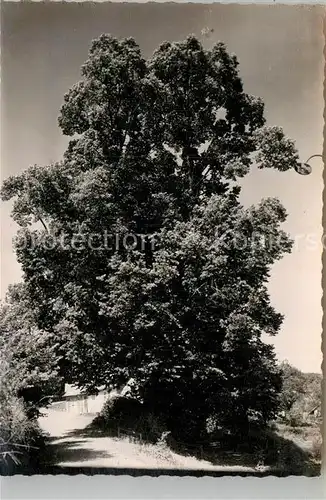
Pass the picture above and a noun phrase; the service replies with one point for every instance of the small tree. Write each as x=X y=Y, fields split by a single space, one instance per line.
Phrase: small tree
x=293 y=386
x=29 y=376
x=300 y=393
x=158 y=150
x=29 y=355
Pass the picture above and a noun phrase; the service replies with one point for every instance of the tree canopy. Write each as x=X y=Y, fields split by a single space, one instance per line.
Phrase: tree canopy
x=136 y=253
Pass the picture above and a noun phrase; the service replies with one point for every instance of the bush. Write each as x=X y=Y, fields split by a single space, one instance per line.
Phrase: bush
x=316 y=447
x=295 y=417
x=20 y=437
x=130 y=414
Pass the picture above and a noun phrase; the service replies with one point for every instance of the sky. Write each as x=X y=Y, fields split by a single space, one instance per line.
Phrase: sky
x=280 y=51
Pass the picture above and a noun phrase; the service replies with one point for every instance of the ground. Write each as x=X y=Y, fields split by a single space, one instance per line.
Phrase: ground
x=72 y=448
x=75 y=445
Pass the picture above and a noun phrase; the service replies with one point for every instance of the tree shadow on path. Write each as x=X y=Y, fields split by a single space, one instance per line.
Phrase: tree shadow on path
x=283 y=457
x=74 y=451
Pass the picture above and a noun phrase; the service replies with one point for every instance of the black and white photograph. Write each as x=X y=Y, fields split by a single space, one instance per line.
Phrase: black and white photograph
x=161 y=239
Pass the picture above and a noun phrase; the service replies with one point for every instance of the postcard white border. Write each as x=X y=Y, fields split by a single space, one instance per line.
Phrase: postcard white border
x=124 y=487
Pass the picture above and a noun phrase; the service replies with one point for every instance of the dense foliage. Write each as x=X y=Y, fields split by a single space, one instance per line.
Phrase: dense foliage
x=137 y=255
x=30 y=354
x=18 y=432
x=301 y=394
x=29 y=376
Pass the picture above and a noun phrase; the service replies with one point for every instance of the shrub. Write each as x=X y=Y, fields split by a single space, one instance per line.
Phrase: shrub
x=128 y=413
x=316 y=447
x=295 y=417
x=20 y=435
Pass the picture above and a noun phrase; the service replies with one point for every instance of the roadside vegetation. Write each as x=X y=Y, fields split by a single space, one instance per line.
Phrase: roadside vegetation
x=285 y=447
x=28 y=379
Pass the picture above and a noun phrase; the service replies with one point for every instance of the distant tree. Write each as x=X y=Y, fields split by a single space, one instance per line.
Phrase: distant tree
x=158 y=149
x=293 y=385
x=300 y=393
x=313 y=390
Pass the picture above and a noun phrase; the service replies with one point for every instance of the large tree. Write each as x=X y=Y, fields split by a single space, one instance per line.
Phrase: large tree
x=159 y=147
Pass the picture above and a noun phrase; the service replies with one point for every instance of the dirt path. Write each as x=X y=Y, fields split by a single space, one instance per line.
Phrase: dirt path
x=71 y=448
